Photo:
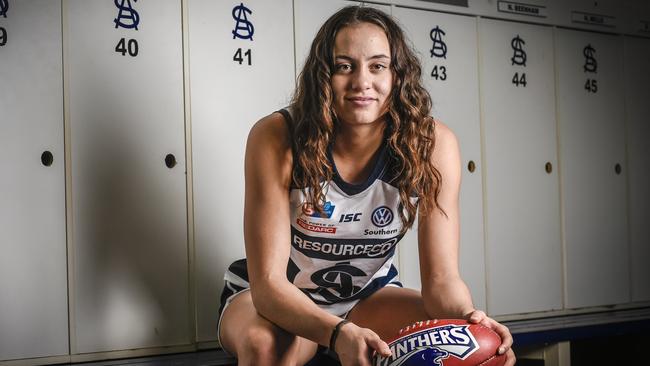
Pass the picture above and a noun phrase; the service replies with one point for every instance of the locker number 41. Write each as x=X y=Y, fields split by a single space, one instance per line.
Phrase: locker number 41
x=240 y=56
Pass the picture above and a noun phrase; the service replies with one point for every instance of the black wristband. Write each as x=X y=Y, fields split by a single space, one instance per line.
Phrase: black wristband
x=335 y=333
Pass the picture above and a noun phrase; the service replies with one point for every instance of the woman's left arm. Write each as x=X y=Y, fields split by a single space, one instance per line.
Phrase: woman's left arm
x=444 y=292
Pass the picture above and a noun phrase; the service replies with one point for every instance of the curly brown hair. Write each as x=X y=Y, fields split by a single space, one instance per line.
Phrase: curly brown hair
x=410 y=129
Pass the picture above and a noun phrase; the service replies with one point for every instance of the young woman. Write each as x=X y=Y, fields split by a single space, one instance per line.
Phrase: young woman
x=332 y=184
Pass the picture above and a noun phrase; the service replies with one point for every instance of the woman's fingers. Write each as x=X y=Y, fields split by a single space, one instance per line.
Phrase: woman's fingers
x=479 y=317
x=510 y=358
x=377 y=344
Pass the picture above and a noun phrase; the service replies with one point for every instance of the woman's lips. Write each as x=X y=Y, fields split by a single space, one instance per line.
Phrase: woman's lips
x=361 y=101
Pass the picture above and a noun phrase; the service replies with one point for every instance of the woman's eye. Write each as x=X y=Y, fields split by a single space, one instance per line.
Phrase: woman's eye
x=379 y=67
x=343 y=67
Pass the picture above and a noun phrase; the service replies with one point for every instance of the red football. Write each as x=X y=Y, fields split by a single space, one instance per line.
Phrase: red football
x=446 y=342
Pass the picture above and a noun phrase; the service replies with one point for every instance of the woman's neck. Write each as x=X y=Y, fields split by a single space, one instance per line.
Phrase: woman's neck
x=355 y=148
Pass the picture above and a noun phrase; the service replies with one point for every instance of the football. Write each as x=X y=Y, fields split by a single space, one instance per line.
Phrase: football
x=444 y=342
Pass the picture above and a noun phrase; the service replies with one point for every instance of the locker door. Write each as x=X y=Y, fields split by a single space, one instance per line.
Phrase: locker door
x=241 y=69
x=130 y=264
x=33 y=276
x=447 y=48
x=523 y=249
x=593 y=169
x=637 y=95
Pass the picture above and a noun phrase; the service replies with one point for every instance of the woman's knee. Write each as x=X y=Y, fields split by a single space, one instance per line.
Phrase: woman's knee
x=266 y=346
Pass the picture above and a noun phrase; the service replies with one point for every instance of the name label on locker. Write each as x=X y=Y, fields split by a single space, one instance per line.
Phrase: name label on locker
x=448 y=2
x=522 y=9
x=593 y=19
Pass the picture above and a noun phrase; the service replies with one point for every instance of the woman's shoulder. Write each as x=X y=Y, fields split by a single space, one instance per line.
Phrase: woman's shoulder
x=271 y=131
x=445 y=138
x=268 y=149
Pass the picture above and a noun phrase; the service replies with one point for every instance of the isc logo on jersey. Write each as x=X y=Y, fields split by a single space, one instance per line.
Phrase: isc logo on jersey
x=431 y=345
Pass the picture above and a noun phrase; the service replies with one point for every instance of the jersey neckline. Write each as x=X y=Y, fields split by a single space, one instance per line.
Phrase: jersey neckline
x=353 y=189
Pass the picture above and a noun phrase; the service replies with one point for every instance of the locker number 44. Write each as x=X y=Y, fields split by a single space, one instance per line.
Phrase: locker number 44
x=519 y=80
x=3 y=36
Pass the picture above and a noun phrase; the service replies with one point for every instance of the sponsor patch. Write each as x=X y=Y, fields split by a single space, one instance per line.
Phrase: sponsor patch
x=317 y=229
x=328 y=210
x=382 y=216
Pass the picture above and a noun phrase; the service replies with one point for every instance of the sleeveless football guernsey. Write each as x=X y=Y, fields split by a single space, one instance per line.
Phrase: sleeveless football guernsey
x=346 y=253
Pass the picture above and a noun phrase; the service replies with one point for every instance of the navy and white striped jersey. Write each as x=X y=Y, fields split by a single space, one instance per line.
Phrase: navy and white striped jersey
x=345 y=254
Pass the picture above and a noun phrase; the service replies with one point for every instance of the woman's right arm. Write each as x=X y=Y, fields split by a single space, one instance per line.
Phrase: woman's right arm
x=267 y=235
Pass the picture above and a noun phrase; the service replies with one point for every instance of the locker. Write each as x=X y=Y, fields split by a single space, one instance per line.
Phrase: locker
x=33 y=276
x=130 y=276
x=447 y=48
x=637 y=79
x=234 y=81
x=523 y=246
x=592 y=171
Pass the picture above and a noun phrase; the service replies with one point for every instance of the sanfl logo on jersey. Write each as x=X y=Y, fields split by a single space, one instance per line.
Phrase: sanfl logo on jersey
x=328 y=210
x=382 y=216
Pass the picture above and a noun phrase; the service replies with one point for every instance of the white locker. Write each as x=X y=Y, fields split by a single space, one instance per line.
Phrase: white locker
x=592 y=154
x=130 y=277
x=447 y=48
x=523 y=246
x=637 y=95
x=33 y=276
x=235 y=79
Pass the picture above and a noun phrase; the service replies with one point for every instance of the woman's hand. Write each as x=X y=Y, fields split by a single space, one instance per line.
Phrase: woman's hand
x=355 y=345
x=479 y=317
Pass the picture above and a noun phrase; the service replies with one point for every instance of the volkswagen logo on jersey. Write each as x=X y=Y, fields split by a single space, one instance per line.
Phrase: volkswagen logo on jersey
x=382 y=216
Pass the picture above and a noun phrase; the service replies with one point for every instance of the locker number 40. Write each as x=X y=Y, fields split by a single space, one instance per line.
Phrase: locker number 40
x=129 y=47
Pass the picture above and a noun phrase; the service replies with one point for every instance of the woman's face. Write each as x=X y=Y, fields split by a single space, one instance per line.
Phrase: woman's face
x=362 y=80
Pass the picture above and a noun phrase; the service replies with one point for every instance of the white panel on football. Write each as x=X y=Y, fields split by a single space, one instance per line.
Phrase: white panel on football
x=130 y=272
x=523 y=245
x=241 y=69
x=33 y=276
x=593 y=170
x=447 y=48
x=637 y=95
